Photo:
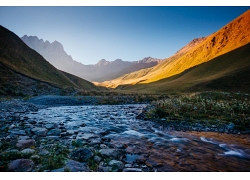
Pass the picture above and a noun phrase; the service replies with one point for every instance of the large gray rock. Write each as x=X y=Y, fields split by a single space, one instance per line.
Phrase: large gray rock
x=39 y=131
x=28 y=151
x=74 y=166
x=82 y=154
x=108 y=152
x=85 y=136
x=43 y=152
x=132 y=158
x=116 y=164
x=25 y=143
x=95 y=141
x=54 y=132
x=17 y=132
x=50 y=126
x=21 y=165
x=104 y=168
x=23 y=137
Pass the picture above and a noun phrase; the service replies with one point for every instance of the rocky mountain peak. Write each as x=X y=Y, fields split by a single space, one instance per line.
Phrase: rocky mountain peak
x=31 y=38
x=118 y=60
x=102 y=62
x=148 y=60
x=190 y=45
x=57 y=45
x=103 y=70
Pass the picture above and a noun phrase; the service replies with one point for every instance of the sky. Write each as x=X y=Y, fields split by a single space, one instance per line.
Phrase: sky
x=89 y=34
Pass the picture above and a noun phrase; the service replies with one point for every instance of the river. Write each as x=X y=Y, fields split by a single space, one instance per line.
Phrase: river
x=146 y=145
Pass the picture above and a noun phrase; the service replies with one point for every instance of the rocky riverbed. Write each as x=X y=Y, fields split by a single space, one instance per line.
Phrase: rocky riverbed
x=36 y=136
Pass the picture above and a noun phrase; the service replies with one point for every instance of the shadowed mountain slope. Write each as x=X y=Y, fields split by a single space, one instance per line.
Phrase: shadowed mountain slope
x=16 y=57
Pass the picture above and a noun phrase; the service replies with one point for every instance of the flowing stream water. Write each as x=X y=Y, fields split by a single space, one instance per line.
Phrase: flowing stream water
x=146 y=144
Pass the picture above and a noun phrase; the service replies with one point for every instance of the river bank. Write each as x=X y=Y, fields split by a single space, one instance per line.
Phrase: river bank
x=208 y=111
x=45 y=134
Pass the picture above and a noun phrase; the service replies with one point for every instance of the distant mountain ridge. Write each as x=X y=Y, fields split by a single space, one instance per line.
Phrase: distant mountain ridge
x=101 y=71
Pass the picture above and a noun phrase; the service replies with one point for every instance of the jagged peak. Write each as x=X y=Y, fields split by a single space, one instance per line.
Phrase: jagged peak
x=148 y=60
x=57 y=44
x=190 y=45
x=102 y=62
x=118 y=61
x=34 y=38
x=47 y=42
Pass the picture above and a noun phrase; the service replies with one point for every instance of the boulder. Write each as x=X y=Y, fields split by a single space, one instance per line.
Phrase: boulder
x=21 y=165
x=116 y=164
x=23 y=137
x=74 y=166
x=82 y=154
x=39 y=131
x=104 y=168
x=28 y=151
x=108 y=152
x=17 y=132
x=85 y=136
x=44 y=152
x=95 y=141
x=25 y=143
x=50 y=126
x=54 y=132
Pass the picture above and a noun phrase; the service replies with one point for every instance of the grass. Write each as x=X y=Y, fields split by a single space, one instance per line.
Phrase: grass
x=207 y=108
x=92 y=164
x=77 y=143
x=55 y=159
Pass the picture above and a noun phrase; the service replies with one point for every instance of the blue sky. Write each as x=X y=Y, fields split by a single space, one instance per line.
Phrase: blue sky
x=89 y=34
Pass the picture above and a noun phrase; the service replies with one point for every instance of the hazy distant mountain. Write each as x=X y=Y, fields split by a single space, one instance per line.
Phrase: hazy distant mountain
x=23 y=70
x=101 y=71
x=217 y=56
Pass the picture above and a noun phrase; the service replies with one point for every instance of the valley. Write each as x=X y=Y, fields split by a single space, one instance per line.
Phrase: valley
x=187 y=112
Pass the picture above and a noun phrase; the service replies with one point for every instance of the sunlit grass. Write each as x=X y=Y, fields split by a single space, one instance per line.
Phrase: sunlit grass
x=210 y=108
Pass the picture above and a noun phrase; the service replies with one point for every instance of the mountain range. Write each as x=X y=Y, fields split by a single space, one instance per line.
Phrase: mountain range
x=104 y=70
x=220 y=61
x=24 y=71
x=229 y=47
